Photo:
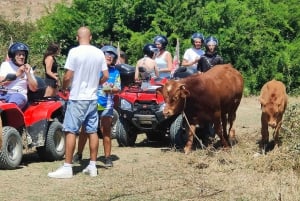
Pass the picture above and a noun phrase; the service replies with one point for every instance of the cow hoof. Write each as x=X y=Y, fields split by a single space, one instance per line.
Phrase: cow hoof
x=187 y=150
x=232 y=141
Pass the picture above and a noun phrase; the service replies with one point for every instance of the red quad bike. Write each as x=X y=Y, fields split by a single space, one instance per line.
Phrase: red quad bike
x=140 y=110
x=38 y=126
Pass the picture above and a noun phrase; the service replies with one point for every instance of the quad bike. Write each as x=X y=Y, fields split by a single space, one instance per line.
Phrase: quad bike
x=140 y=110
x=37 y=126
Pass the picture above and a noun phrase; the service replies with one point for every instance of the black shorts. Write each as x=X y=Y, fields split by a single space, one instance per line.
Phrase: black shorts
x=51 y=82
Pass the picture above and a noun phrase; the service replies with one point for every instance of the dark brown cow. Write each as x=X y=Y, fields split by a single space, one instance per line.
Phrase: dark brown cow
x=213 y=96
x=273 y=100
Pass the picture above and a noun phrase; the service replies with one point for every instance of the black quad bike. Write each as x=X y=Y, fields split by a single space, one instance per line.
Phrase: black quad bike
x=38 y=126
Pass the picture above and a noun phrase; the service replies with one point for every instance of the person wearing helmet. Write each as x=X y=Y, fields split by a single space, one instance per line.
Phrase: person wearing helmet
x=163 y=59
x=206 y=62
x=211 y=56
x=18 y=66
x=192 y=55
x=105 y=95
x=147 y=62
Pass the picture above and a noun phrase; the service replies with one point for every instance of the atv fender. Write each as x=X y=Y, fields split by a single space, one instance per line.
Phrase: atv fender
x=43 y=110
x=11 y=115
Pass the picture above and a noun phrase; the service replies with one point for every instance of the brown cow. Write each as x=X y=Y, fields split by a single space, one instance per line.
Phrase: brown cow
x=273 y=100
x=213 y=97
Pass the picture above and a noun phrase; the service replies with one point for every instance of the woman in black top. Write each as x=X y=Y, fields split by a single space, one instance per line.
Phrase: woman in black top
x=211 y=57
x=51 y=66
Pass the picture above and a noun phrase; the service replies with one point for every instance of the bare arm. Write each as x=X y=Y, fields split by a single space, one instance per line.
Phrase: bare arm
x=49 y=63
x=67 y=79
x=104 y=77
x=32 y=83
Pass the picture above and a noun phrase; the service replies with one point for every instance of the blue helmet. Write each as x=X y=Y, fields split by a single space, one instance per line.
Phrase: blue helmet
x=197 y=35
x=211 y=40
x=150 y=49
x=110 y=49
x=18 y=47
x=161 y=39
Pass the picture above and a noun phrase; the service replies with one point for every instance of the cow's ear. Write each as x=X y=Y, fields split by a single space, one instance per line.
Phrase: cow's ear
x=184 y=92
x=262 y=101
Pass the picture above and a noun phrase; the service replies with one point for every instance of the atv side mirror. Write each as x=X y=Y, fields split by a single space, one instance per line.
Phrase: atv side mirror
x=10 y=77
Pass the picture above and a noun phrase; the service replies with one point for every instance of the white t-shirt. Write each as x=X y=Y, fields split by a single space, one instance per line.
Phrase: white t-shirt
x=192 y=54
x=86 y=61
x=20 y=84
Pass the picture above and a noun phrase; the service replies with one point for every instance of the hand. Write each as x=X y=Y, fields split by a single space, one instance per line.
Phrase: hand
x=27 y=68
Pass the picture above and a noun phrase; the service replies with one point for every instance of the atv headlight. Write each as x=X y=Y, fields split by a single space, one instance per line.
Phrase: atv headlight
x=125 y=105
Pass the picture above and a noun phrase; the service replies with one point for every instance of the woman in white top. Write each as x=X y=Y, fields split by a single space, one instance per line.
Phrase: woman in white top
x=164 y=58
x=193 y=54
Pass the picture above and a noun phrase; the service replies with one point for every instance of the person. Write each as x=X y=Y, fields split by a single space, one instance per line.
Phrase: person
x=211 y=56
x=83 y=66
x=147 y=62
x=123 y=58
x=24 y=76
x=206 y=62
x=192 y=55
x=105 y=95
x=51 y=67
x=163 y=59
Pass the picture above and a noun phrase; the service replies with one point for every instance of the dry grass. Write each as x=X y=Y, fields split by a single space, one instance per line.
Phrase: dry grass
x=150 y=171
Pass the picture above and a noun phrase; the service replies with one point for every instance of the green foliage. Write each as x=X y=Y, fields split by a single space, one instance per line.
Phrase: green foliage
x=259 y=37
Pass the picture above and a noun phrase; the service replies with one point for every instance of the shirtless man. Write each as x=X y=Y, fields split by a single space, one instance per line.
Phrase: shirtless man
x=147 y=62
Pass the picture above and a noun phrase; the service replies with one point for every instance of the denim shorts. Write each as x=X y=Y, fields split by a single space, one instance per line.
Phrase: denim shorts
x=106 y=113
x=81 y=113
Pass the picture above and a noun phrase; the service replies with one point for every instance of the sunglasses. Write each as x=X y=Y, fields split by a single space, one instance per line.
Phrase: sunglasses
x=109 y=55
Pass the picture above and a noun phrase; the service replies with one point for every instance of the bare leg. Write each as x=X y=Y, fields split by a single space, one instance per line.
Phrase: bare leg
x=81 y=141
x=94 y=145
x=106 y=130
x=70 y=146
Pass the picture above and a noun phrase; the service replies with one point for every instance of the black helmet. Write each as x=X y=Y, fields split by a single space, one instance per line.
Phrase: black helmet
x=149 y=50
x=161 y=39
x=197 y=35
x=17 y=47
x=211 y=39
x=110 y=49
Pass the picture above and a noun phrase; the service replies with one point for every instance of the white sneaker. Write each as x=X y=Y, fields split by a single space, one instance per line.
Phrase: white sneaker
x=93 y=172
x=62 y=173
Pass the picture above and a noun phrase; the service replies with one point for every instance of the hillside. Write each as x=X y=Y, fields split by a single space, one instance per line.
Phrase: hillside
x=20 y=10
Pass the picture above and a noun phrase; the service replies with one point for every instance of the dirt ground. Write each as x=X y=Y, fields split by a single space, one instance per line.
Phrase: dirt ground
x=154 y=171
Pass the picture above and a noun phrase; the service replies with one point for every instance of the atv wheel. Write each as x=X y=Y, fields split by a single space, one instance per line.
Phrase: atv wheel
x=125 y=136
x=12 y=148
x=114 y=124
x=177 y=133
x=54 y=148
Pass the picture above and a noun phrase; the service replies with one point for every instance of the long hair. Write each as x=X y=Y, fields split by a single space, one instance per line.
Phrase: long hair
x=51 y=50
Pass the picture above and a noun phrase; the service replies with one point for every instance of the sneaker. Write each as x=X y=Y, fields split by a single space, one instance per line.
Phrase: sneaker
x=77 y=158
x=93 y=172
x=108 y=162
x=62 y=173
